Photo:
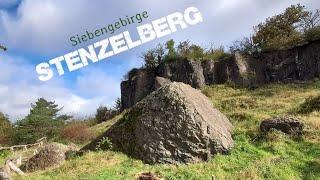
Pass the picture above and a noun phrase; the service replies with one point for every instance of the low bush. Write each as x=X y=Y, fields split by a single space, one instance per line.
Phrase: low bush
x=77 y=132
x=312 y=34
x=104 y=113
x=104 y=144
x=6 y=130
x=311 y=104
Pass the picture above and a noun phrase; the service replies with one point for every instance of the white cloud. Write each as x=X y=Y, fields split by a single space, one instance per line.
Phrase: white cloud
x=19 y=88
x=45 y=26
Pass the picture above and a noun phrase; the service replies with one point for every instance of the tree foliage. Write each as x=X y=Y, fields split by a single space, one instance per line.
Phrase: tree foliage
x=245 y=46
x=185 y=50
x=311 y=20
x=172 y=53
x=5 y=129
x=42 y=121
x=153 y=57
x=286 y=29
x=104 y=113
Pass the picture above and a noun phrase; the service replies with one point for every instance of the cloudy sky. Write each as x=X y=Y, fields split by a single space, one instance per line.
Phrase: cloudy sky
x=39 y=30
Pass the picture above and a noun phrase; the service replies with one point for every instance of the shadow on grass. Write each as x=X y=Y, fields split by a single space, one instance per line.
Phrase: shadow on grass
x=311 y=170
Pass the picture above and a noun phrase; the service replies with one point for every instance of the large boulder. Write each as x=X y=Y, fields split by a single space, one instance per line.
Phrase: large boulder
x=175 y=124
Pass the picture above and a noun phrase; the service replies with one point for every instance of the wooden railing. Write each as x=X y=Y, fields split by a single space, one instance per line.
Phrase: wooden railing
x=38 y=143
x=14 y=163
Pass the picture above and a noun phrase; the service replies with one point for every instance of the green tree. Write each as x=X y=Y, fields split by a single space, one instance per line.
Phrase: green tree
x=117 y=105
x=5 y=129
x=153 y=57
x=172 y=53
x=191 y=51
x=281 y=30
x=101 y=113
x=42 y=121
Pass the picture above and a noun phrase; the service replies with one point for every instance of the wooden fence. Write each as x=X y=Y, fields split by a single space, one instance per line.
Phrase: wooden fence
x=38 y=143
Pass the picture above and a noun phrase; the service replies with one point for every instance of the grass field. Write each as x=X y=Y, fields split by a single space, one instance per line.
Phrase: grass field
x=275 y=157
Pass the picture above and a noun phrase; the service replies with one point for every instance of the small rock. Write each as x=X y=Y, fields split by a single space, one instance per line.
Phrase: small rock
x=4 y=175
x=286 y=125
x=148 y=176
x=51 y=155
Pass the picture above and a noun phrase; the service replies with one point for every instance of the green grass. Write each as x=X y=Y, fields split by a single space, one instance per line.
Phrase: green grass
x=101 y=128
x=4 y=155
x=275 y=157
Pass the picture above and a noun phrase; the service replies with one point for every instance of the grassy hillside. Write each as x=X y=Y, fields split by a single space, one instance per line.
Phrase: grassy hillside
x=275 y=157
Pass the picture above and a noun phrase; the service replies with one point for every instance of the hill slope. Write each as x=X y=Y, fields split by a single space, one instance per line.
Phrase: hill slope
x=276 y=157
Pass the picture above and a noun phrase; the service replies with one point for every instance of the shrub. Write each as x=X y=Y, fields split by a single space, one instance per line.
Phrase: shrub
x=6 y=130
x=195 y=52
x=311 y=104
x=4 y=154
x=171 y=50
x=153 y=57
x=77 y=132
x=245 y=46
x=104 y=113
x=117 y=105
x=100 y=114
x=312 y=34
x=104 y=144
x=216 y=54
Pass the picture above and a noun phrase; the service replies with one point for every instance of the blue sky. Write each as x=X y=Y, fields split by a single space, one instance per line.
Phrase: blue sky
x=39 y=30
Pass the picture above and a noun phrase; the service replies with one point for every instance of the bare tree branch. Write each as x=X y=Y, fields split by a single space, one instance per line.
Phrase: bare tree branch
x=312 y=20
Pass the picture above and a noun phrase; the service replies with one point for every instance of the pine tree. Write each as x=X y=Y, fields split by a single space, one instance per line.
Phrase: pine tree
x=42 y=121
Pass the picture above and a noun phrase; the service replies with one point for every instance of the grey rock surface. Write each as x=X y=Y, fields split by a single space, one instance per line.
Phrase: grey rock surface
x=138 y=86
x=296 y=64
x=51 y=155
x=160 y=82
x=184 y=70
x=286 y=125
x=208 y=67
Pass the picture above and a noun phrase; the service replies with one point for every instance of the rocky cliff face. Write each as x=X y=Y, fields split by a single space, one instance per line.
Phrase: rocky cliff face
x=186 y=71
x=299 y=63
x=139 y=84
